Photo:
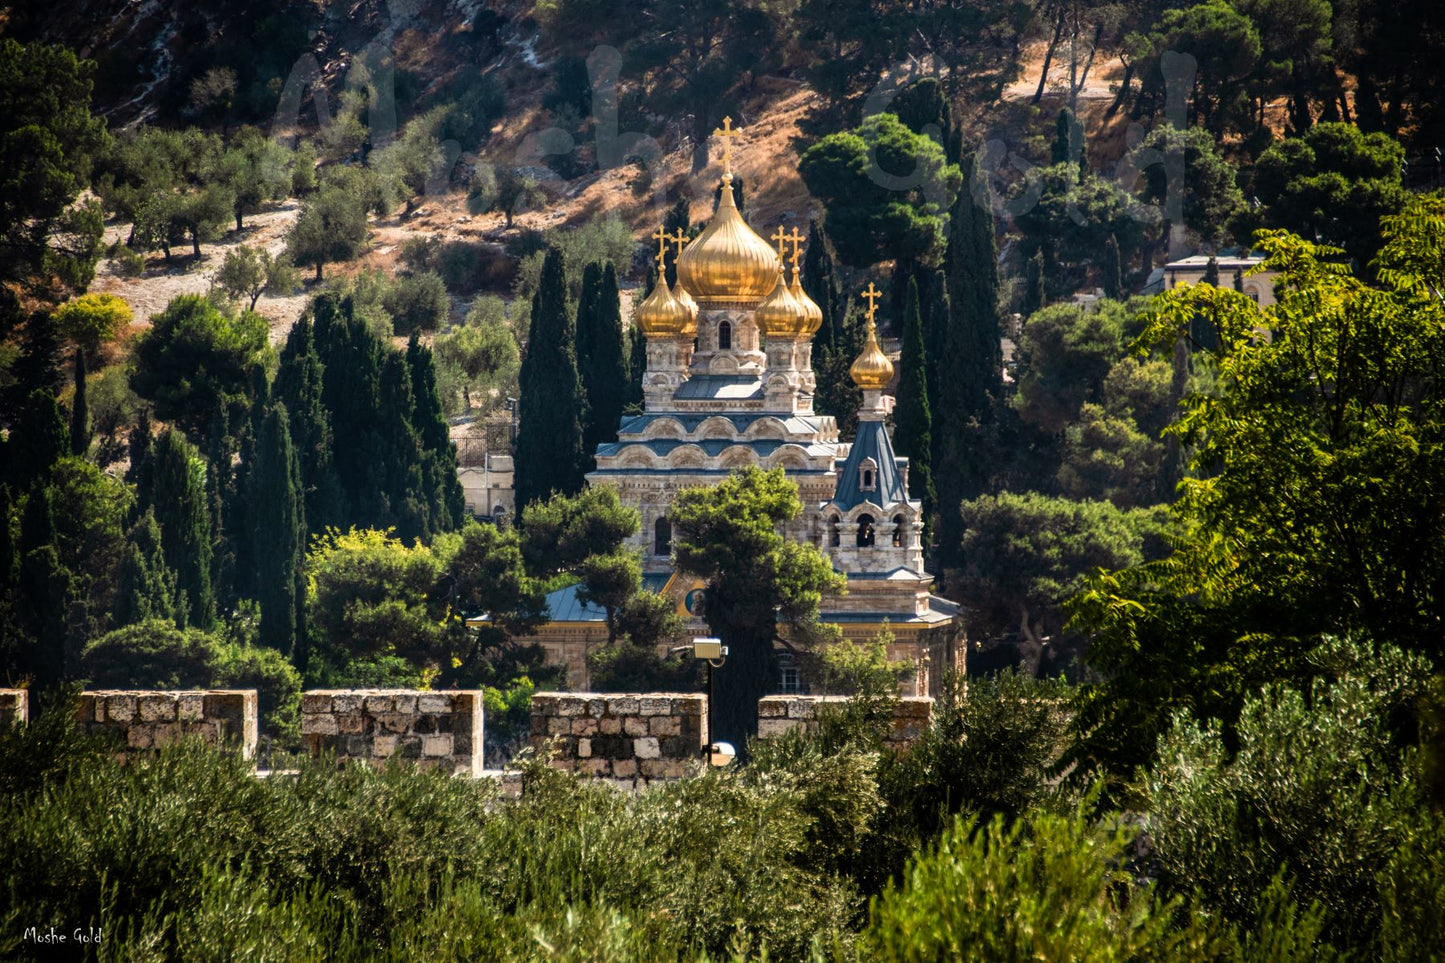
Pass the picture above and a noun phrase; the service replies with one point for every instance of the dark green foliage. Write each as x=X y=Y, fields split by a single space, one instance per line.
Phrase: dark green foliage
x=41 y=590
x=176 y=493
x=837 y=394
x=331 y=227
x=145 y=586
x=728 y=535
x=738 y=198
x=298 y=387
x=887 y=191
x=600 y=359
x=1210 y=201
x=912 y=418
x=549 y=454
x=150 y=654
x=1068 y=144
x=195 y=363
x=48 y=142
x=445 y=503
x=80 y=431
x=636 y=369
x=821 y=284
x=1033 y=299
x=37 y=440
x=417 y=303
x=679 y=218
x=1111 y=271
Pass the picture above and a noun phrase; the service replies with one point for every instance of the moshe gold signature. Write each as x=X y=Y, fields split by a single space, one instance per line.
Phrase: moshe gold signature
x=86 y=934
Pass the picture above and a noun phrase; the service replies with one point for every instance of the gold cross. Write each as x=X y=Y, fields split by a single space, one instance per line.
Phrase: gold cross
x=679 y=238
x=796 y=239
x=781 y=238
x=661 y=237
x=872 y=294
x=727 y=132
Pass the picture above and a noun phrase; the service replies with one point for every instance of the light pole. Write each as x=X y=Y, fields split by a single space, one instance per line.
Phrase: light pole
x=714 y=653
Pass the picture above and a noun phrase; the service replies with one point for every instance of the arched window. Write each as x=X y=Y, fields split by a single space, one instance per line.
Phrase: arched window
x=868 y=475
x=835 y=537
x=865 y=531
x=898 y=525
x=724 y=336
x=662 y=542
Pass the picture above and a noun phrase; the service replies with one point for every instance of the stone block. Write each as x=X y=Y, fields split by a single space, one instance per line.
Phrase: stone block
x=772 y=728
x=85 y=709
x=404 y=703
x=801 y=709
x=622 y=706
x=609 y=725
x=434 y=702
x=350 y=723
x=772 y=708
x=156 y=708
x=557 y=725
x=436 y=746
x=654 y=707
x=315 y=702
x=409 y=747
x=377 y=704
x=140 y=737
x=344 y=702
x=624 y=767
x=393 y=722
x=319 y=725
x=664 y=726
x=191 y=706
x=653 y=768
x=597 y=708
x=584 y=748
x=584 y=727
x=571 y=707
x=634 y=726
x=425 y=725
x=164 y=734
x=646 y=748
x=594 y=767
x=356 y=747
x=119 y=707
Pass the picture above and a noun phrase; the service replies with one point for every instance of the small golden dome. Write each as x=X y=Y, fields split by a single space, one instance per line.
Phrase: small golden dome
x=872 y=371
x=660 y=315
x=680 y=294
x=815 y=313
x=781 y=315
x=728 y=263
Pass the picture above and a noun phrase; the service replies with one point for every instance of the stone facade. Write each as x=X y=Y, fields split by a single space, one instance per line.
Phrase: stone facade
x=431 y=729
x=14 y=706
x=140 y=721
x=631 y=740
x=778 y=715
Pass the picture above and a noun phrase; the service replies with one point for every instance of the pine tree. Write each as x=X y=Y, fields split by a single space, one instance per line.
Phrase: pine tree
x=298 y=387
x=1112 y=270
x=446 y=503
x=549 y=433
x=276 y=513
x=1033 y=284
x=80 y=432
x=178 y=497
x=145 y=585
x=970 y=365
x=636 y=369
x=912 y=419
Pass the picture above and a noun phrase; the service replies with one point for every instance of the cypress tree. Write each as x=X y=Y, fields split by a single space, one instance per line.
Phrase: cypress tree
x=603 y=368
x=38 y=439
x=278 y=529
x=446 y=504
x=837 y=394
x=298 y=387
x=586 y=307
x=636 y=369
x=969 y=366
x=912 y=419
x=1112 y=270
x=1211 y=272
x=549 y=433
x=178 y=498
x=1033 y=284
x=138 y=445
x=44 y=585
x=406 y=503
x=146 y=586
x=821 y=284
x=351 y=394
x=9 y=551
x=80 y=432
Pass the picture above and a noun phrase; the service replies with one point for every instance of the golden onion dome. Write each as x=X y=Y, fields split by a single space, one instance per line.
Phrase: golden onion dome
x=680 y=294
x=815 y=313
x=660 y=315
x=872 y=370
x=728 y=263
x=781 y=315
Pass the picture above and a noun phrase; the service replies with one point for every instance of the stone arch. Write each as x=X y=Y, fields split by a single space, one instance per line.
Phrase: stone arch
x=687 y=456
x=662 y=536
x=900 y=530
x=738 y=456
x=867 y=531
x=716 y=427
x=835 y=530
x=665 y=428
x=635 y=456
x=788 y=456
x=767 y=429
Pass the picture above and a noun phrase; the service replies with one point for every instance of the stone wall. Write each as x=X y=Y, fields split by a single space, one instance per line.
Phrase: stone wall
x=139 y=721
x=431 y=729
x=783 y=713
x=14 y=706
x=629 y=739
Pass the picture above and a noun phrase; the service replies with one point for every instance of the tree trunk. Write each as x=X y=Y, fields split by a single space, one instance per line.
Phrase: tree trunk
x=1123 y=94
x=196 y=243
x=1049 y=59
x=318 y=271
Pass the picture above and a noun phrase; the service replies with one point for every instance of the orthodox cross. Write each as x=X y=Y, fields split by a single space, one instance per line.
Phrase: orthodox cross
x=781 y=238
x=679 y=238
x=661 y=237
x=727 y=132
x=872 y=295
x=796 y=239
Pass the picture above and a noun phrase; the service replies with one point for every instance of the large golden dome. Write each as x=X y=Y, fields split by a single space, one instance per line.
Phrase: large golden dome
x=728 y=263
x=660 y=315
x=781 y=315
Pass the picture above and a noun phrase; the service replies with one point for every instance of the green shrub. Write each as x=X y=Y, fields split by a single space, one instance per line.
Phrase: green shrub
x=277 y=685
x=417 y=303
x=128 y=262
x=151 y=655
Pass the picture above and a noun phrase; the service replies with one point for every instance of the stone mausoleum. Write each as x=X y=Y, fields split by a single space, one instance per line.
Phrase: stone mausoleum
x=730 y=383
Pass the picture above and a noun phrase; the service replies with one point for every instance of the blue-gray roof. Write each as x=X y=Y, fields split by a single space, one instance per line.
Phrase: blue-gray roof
x=872 y=442
x=711 y=446
x=563 y=605
x=710 y=387
x=690 y=420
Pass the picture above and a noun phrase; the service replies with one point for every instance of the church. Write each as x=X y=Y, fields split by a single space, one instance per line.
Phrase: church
x=729 y=383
